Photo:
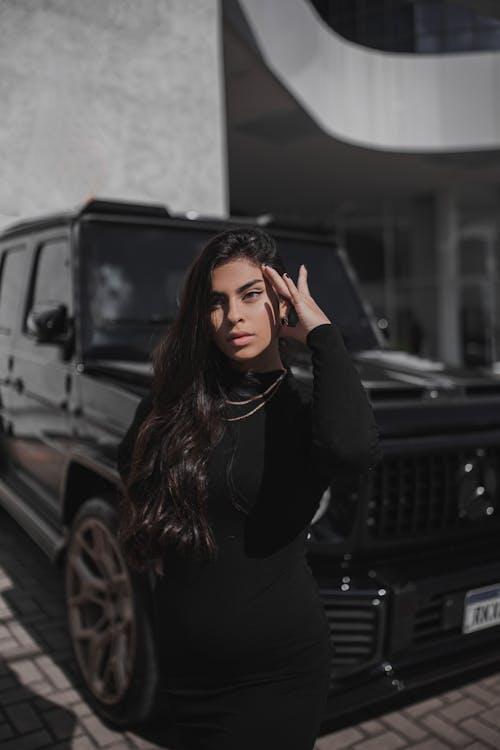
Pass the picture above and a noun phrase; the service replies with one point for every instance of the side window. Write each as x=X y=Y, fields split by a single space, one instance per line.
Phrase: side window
x=12 y=287
x=52 y=277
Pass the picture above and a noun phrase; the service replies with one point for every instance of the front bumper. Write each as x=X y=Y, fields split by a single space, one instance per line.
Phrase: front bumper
x=398 y=625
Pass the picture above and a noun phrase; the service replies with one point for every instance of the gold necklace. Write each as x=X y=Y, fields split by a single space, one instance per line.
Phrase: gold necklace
x=260 y=395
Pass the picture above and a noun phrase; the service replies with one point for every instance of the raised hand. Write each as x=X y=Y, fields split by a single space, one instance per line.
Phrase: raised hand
x=308 y=312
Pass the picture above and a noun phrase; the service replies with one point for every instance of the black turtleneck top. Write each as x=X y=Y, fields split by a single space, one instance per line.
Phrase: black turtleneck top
x=256 y=610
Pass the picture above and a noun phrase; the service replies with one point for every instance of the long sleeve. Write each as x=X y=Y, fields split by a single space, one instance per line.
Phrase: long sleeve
x=126 y=446
x=343 y=424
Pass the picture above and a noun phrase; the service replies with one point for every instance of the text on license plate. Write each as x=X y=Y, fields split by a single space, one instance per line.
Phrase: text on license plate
x=481 y=608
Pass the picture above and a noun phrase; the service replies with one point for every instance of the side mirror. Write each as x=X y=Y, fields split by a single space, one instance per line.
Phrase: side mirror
x=47 y=321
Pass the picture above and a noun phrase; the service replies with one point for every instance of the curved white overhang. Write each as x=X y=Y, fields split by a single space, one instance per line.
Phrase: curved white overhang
x=389 y=101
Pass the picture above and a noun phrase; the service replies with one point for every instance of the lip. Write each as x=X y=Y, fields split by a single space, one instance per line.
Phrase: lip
x=240 y=339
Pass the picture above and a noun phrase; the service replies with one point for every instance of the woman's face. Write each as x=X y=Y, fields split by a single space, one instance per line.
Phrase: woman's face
x=242 y=302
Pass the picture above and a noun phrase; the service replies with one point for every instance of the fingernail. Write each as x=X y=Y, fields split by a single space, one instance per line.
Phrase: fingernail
x=285 y=274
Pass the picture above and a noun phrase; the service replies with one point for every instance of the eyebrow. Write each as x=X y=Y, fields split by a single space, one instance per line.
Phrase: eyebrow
x=240 y=289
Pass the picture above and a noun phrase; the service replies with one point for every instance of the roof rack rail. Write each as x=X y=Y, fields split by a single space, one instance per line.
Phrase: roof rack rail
x=103 y=205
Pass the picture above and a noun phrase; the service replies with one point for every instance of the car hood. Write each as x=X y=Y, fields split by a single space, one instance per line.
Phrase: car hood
x=415 y=396
x=410 y=395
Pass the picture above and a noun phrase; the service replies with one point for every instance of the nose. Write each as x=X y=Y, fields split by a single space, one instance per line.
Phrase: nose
x=233 y=311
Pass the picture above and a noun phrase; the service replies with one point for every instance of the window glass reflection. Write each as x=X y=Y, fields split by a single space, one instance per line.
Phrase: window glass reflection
x=133 y=279
x=422 y=26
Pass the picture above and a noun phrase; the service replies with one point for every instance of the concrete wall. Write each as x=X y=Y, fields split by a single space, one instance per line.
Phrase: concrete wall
x=117 y=98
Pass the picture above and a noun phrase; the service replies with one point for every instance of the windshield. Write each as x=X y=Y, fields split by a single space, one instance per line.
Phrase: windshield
x=130 y=293
x=331 y=287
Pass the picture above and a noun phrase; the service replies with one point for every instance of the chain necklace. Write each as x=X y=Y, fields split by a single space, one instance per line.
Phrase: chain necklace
x=254 y=398
x=259 y=395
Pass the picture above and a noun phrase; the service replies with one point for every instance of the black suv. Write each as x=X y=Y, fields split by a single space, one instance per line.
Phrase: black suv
x=406 y=558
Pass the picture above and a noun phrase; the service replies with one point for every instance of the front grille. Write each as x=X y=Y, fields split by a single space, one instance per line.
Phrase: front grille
x=439 y=616
x=427 y=494
x=356 y=628
x=428 y=624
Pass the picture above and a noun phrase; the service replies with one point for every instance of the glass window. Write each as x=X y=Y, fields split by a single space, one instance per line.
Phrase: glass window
x=472 y=256
x=346 y=22
x=484 y=22
x=133 y=276
x=12 y=287
x=458 y=40
x=429 y=18
x=488 y=39
x=403 y=21
x=403 y=256
x=476 y=325
x=331 y=287
x=428 y=43
x=374 y=24
x=365 y=248
x=131 y=283
x=411 y=25
x=457 y=17
x=53 y=275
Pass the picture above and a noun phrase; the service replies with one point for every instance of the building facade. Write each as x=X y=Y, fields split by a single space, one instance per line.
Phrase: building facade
x=380 y=118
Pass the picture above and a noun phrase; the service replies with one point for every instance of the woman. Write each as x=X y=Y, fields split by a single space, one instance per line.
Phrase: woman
x=224 y=466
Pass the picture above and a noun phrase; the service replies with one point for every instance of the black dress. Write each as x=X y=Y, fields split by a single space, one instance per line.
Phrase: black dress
x=244 y=641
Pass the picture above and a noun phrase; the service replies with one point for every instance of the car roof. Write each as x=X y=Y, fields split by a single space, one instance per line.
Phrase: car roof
x=114 y=209
x=93 y=205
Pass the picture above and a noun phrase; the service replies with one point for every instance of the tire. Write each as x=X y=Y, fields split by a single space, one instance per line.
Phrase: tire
x=110 y=619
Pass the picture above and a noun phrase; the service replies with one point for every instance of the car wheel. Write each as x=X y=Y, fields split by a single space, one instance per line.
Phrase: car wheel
x=110 y=619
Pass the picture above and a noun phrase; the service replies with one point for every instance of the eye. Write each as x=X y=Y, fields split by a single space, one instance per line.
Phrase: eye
x=249 y=293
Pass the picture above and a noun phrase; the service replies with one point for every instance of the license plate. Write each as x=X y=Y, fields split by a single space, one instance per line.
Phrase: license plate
x=481 y=608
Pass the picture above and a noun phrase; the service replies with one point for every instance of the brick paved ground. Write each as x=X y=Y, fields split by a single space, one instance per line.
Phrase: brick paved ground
x=41 y=707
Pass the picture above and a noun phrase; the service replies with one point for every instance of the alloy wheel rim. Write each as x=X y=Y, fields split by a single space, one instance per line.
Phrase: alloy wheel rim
x=99 y=602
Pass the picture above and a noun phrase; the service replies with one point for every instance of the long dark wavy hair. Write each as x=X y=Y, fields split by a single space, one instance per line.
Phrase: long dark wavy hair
x=165 y=493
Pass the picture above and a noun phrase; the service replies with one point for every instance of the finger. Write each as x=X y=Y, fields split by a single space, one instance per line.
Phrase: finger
x=305 y=286
x=292 y=289
x=302 y=280
x=273 y=285
x=276 y=280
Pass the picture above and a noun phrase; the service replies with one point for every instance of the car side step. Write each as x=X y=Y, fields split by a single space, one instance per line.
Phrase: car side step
x=45 y=536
